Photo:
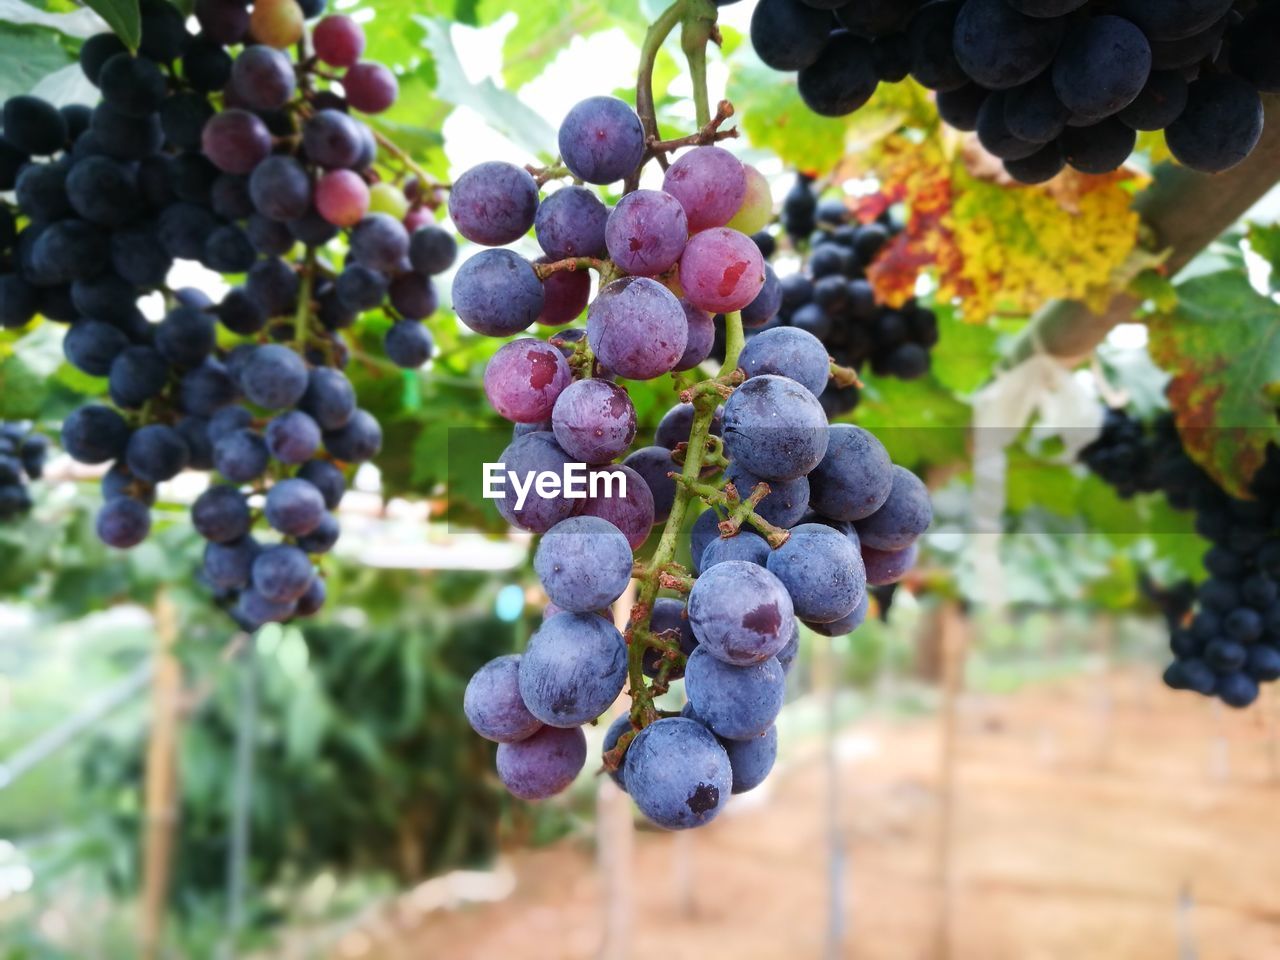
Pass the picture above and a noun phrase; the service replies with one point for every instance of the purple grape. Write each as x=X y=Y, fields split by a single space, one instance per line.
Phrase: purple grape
x=252 y=610
x=601 y=140
x=739 y=612
x=228 y=566
x=846 y=624
x=274 y=377
x=902 y=518
x=702 y=336
x=616 y=729
x=526 y=456
x=677 y=423
x=280 y=188
x=294 y=507
x=221 y=514
x=573 y=669
x=408 y=344
x=293 y=437
x=646 y=232
x=822 y=571
x=652 y=465
x=710 y=184
x=705 y=529
x=241 y=456
x=775 y=428
x=886 y=567
x=637 y=328
x=492 y=702
x=632 y=514
x=332 y=139
x=524 y=379
x=380 y=242
x=564 y=296
x=282 y=573
x=262 y=78
x=94 y=434
x=356 y=441
x=329 y=398
x=236 y=141
x=740 y=703
x=855 y=476
x=571 y=223
x=678 y=774
x=584 y=564
x=432 y=250
x=494 y=203
x=123 y=523
x=326 y=478
x=323 y=538
x=594 y=420
x=413 y=296
x=543 y=764
x=156 y=452
x=790 y=353
x=497 y=294
x=764 y=308
x=669 y=614
x=751 y=760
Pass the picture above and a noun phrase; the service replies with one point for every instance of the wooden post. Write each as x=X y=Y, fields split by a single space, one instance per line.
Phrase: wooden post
x=955 y=643
x=1108 y=640
x=615 y=836
x=827 y=673
x=161 y=789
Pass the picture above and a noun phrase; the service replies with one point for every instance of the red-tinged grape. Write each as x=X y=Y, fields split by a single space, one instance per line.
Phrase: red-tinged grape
x=565 y=296
x=757 y=205
x=633 y=514
x=370 y=87
x=494 y=203
x=721 y=270
x=342 y=198
x=646 y=232
x=710 y=184
x=594 y=420
x=338 y=41
x=277 y=23
x=236 y=141
x=637 y=328
x=524 y=379
x=262 y=78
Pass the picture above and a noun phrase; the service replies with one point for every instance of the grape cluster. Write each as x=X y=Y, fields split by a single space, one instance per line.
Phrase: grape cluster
x=804 y=515
x=832 y=299
x=22 y=456
x=1230 y=642
x=1045 y=83
x=218 y=148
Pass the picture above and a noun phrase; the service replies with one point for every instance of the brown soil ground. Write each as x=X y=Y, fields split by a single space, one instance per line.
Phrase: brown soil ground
x=1091 y=820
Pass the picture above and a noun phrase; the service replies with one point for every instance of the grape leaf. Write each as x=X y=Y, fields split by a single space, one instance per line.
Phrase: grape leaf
x=27 y=55
x=1222 y=349
x=122 y=16
x=501 y=109
x=78 y=23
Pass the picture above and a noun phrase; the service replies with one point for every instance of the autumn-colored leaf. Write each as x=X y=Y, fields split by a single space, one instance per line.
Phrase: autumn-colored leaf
x=1221 y=346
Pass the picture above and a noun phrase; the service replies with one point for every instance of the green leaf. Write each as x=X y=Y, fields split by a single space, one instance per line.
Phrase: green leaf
x=78 y=23
x=27 y=55
x=122 y=17
x=501 y=109
x=1222 y=347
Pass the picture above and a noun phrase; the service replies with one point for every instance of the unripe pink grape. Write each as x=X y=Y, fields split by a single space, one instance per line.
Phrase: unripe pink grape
x=338 y=40
x=418 y=217
x=524 y=379
x=757 y=207
x=277 y=23
x=370 y=87
x=342 y=198
x=236 y=141
x=721 y=270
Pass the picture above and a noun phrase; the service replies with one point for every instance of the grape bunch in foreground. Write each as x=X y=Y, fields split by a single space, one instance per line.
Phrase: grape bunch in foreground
x=22 y=456
x=1231 y=642
x=801 y=517
x=1045 y=83
x=219 y=148
x=831 y=298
